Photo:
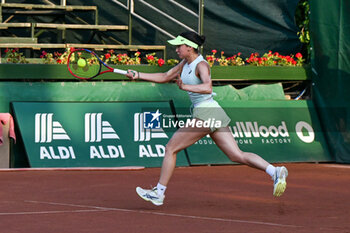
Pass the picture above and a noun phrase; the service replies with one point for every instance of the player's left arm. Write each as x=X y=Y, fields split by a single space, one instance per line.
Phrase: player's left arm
x=203 y=72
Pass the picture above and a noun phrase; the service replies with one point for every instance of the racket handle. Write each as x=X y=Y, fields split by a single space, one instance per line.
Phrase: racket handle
x=118 y=71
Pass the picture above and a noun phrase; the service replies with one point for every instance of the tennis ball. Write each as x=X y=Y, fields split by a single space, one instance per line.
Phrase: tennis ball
x=81 y=63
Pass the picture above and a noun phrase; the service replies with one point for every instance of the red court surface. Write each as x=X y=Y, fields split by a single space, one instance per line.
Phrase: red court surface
x=198 y=199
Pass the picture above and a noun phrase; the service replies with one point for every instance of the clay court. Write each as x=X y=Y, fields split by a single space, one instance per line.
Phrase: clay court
x=199 y=199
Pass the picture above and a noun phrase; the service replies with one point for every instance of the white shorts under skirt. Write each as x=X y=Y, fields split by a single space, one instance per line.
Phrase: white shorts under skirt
x=212 y=113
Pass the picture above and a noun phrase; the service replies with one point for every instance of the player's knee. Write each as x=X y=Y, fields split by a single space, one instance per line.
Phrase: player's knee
x=171 y=149
x=238 y=157
x=245 y=158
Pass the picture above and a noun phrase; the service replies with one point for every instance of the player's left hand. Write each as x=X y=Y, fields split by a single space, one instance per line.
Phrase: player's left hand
x=179 y=82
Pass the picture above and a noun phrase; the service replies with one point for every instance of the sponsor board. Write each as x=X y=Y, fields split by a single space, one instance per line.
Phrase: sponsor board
x=278 y=131
x=64 y=134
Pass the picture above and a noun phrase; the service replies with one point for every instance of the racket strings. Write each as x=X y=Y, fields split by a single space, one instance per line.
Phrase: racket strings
x=84 y=64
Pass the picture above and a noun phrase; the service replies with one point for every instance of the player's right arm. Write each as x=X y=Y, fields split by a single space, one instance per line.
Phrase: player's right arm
x=158 y=77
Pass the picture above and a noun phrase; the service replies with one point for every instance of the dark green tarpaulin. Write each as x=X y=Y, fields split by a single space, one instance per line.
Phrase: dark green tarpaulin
x=250 y=26
x=330 y=34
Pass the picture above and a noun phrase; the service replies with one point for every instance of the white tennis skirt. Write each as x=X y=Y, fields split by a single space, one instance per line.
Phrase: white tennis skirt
x=212 y=114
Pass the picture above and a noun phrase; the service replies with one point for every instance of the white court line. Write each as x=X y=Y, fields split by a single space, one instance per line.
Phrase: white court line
x=49 y=212
x=337 y=165
x=99 y=208
x=130 y=168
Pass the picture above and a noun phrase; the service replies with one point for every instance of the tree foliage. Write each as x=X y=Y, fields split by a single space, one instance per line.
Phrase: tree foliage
x=302 y=21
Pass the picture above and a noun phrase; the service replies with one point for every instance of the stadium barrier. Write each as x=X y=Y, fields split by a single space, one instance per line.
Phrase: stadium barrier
x=52 y=85
x=65 y=92
x=134 y=133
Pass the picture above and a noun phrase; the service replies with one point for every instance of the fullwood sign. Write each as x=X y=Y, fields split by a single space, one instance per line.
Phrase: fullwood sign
x=279 y=131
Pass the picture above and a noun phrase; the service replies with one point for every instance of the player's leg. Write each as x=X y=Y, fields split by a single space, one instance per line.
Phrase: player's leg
x=182 y=138
x=226 y=142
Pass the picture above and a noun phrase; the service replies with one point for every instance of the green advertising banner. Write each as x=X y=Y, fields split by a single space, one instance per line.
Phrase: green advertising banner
x=112 y=134
x=278 y=131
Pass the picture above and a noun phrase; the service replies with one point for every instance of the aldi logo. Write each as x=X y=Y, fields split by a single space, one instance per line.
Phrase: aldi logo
x=46 y=129
x=96 y=129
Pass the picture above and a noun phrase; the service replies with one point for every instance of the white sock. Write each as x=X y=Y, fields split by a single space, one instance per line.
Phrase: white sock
x=270 y=170
x=161 y=189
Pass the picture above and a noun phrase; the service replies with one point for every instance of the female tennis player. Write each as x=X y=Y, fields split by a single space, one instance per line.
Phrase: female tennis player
x=195 y=79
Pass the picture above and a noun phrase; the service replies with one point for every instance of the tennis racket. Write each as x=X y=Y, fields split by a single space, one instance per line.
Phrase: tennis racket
x=85 y=64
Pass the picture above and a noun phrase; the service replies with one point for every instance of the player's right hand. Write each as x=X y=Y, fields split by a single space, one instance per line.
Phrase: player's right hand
x=132 y=74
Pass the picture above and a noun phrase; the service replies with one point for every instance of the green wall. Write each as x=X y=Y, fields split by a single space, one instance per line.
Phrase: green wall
x=330 y=35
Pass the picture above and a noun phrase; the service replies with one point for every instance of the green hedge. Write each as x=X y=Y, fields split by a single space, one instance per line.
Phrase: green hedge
x=60 y=72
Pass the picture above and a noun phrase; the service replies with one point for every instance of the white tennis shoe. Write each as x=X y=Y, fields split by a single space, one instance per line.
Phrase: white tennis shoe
x=150 y=195
x=279 y=181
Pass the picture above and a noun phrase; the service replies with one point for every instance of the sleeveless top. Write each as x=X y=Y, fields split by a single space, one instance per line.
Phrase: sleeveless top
x=188 y=76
